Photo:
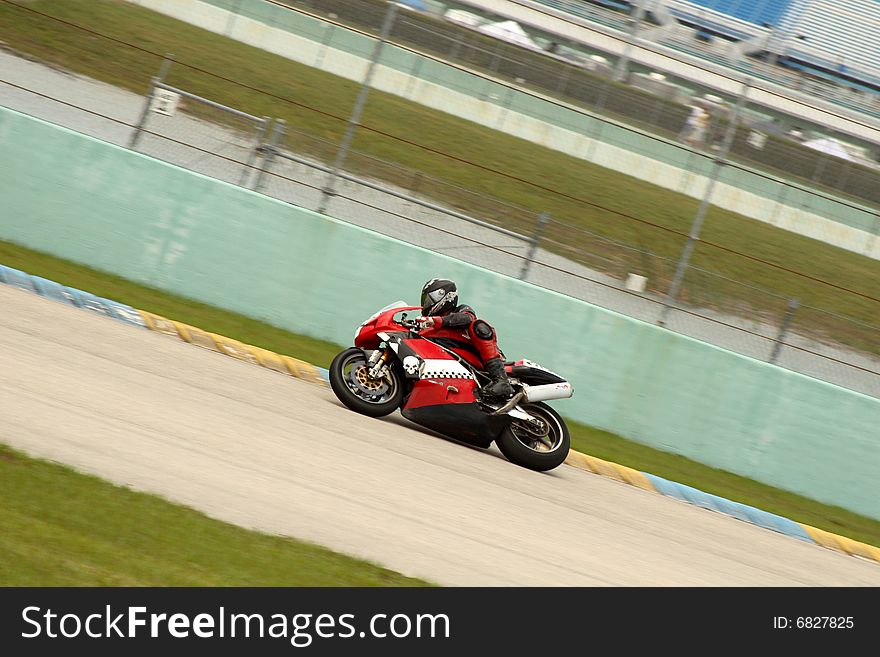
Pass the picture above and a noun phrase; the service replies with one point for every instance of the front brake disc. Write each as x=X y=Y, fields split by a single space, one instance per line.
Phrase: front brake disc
x=366 y=384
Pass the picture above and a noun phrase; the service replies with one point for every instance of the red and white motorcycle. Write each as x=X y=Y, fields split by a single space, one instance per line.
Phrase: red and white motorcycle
x=436 y=381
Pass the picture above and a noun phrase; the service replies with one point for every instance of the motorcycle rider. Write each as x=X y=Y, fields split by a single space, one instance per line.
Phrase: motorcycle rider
x=440 y=309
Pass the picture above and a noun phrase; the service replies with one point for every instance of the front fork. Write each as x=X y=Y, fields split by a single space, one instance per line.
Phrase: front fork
x=376 y=363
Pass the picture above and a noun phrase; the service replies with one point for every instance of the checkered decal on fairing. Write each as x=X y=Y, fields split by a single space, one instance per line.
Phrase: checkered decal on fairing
x=443 y=369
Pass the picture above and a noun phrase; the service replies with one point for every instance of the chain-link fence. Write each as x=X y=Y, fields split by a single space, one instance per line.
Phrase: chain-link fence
x=690 y=41
x=366 y=14
x=643 y=99
x=581 y=263
x=172 y=115
x=619 y=263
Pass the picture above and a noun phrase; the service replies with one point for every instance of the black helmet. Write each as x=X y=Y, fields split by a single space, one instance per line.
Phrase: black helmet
x=438 y=296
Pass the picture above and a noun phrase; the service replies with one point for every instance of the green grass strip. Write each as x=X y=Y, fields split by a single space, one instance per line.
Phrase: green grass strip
x=598 y=443
x=64 y=528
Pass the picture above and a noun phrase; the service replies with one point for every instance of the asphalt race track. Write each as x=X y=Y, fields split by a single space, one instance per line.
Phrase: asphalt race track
x=259 y=449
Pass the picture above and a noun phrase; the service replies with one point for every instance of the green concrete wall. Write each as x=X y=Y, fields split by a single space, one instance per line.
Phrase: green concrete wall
x=151 y=222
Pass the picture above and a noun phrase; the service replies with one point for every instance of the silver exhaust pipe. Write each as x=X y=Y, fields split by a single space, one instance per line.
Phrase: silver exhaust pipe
x=548 y=391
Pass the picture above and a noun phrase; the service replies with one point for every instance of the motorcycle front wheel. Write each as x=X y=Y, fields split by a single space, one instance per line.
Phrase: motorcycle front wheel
x=536 y=448
x=353 y=386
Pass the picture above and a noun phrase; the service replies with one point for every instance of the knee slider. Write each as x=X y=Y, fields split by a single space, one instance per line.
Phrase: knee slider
x=482 y=330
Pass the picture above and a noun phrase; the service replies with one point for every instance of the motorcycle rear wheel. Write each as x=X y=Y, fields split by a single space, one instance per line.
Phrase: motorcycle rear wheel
x=528 y=449
x=360 y=394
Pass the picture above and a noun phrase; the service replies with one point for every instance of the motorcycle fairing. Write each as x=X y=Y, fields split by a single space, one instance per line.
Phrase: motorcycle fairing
x=530 y=372
x=465 y=422
x=437 y=391
x=433 y=362
x=442 y=397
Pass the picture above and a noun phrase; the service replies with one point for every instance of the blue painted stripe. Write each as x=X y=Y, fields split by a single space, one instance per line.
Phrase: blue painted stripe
x=325 y=374
x=126 y=313
x=54 y=291
x=91 y=302
x=69 y=295
x=16 y=278
x=735 y=509
x=110 y=308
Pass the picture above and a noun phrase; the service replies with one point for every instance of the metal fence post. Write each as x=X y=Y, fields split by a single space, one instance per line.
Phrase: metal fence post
x=563 y=80
x=872 y=238
x=269 y=150
x=779 y=204
x=163 y=71
x=233 y=16
x=783 y=329
x=416 y=183
x=354 y=120
x=840 y=185
x=252 y=153
x=505 y=107
x=325 y=44
x=534 y=242
x=496 y=58
x=819 y=169
x=655 y=112
x=621 y=68
x=413 y=77
x=493 y=70
x=697 y=224
x=453 y=51
x=601 y=99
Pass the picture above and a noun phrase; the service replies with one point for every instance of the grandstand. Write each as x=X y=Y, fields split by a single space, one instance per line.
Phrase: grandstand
x=837 y=40
x=828 y=50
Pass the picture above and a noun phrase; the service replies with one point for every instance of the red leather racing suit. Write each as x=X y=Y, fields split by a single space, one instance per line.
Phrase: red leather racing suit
x=461 y=325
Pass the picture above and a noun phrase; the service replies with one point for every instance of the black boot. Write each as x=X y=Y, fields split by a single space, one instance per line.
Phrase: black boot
x=500 y=385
